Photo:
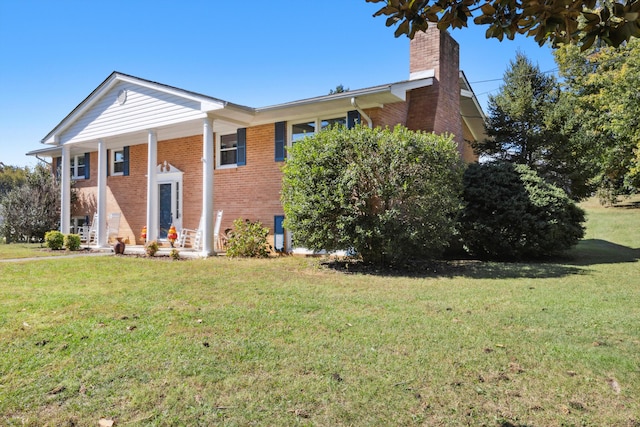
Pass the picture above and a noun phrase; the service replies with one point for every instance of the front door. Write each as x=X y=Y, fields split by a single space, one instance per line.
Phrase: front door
x=166 y=209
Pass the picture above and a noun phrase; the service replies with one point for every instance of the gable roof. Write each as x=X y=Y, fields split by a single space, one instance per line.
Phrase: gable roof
x=195 y=101
x=124 y=104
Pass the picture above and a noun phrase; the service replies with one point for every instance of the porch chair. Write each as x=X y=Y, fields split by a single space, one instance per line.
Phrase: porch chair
x=89 y=234
x=193 y=238
x=189 y=237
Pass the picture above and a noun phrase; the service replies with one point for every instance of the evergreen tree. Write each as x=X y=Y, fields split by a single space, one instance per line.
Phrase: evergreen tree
x=526 y=125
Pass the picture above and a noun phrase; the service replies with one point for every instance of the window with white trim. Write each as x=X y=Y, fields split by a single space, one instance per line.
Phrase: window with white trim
x=227 y=150
x=78 y=167
x=301 y=130
x=117 y=162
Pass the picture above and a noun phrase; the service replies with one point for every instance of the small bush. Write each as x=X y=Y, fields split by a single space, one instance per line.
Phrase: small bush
x=151 y=248
x=174 y=254
x=511 y=213
x=72 y=242
x=248 y=239
x=54 y=240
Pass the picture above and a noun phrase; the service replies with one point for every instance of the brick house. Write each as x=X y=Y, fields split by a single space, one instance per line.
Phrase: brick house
x=158 y=154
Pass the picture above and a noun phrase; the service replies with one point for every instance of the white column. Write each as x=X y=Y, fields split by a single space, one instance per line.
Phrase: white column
x=102 y=194
x=207 y=187
x=65 y=191
x=152 y=188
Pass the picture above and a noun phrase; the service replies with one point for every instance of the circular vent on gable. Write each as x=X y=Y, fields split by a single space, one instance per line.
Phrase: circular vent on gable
x=122 y=96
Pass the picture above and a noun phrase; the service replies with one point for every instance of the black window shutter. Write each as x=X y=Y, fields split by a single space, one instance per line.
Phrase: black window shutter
x=242 y=147
x=281 y=136
x=278 y=233
x=353 y=118
x=87 y=172
x=125 y=154
x=108 y=163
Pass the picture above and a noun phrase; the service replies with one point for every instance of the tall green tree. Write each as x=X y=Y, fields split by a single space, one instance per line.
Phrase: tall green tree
x=31 y=209
x=602 y=87
x=580 y=22
x=527 y=124
x=11 y=177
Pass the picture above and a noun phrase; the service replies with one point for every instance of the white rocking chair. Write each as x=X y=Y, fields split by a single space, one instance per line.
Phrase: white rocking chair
x=193 y=238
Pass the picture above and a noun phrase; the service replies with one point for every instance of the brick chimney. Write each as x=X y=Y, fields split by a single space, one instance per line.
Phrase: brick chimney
x=435 y=108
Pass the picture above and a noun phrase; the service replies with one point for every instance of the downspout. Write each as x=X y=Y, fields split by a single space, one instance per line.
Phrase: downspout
x=44 y=161
x=362 y=113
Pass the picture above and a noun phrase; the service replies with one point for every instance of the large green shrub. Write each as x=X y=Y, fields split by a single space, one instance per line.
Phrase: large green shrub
x=54 y=240
x=389 y=195
x=248 y=239
x=72 y=242
x=512 y=213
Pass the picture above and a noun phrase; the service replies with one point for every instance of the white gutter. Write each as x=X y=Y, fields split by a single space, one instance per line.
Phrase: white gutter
x=362 y=113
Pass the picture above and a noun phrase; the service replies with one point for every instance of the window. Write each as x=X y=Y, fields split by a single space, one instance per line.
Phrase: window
x=117 y=162
x=78 y=170
x=309 y=128
x=232 y=149
x=228 y=150
x=325 y=123
x=301 y=130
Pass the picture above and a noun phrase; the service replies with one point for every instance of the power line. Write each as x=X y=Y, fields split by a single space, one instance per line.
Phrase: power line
x=502 y=78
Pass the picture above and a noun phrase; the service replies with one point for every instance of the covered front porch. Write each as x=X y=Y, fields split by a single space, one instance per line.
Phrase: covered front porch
x=108 y=150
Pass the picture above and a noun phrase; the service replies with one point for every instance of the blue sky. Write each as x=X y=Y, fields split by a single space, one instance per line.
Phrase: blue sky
x=255 y=53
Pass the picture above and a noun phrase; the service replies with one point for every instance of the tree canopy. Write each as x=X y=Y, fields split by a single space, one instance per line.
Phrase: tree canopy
x=32 y=208
x=603 y=107
x=579 y=22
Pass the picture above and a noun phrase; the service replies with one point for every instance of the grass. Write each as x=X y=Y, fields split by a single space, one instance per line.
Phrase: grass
x=27 y=250
x=290 y=341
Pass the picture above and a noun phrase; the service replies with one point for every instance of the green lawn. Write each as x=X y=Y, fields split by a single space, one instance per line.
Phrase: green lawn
x=27 y=250
x=289 y=341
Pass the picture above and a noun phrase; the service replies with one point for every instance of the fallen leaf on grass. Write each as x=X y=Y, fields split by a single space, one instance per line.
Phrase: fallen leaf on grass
x=516 y=368
x=105 y=422
x=301 y=413
x=199 y=321
x=614 y=385
x=336 y=376
x=577 y=405
x=25 y=324
x=57 y=390
x=131 y=328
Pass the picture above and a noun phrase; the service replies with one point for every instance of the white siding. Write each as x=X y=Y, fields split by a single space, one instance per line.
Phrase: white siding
x=144 y=109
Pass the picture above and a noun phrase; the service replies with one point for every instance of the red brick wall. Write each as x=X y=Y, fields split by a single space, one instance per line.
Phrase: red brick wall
x=248 y=192
x=436 y=108
x=252 y=191
x=390 y=115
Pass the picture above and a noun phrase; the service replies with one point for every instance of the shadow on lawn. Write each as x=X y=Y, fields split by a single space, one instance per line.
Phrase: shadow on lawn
x=596 y=251
x=588 y=252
